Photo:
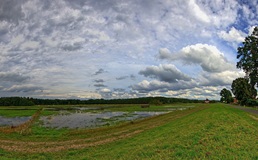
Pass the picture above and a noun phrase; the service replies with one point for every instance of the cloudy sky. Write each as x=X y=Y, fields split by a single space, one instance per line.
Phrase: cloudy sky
x=120 y=48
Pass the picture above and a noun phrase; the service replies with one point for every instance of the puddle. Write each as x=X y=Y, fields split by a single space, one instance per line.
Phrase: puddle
x=13 y=121
x=92 y=120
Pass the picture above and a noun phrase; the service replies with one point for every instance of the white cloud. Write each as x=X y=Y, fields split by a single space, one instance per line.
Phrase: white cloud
x=149 y=86
x=233 y=35
x=29 y=45
x=155 y=85
x=154 y=88
x=221 y=13
x=17 y=40
x=105 y=90
x=207 y=56
x=164 y=53
x=73 y=44
x=251 y=29
x=198 y=12
x=166 y=73
x=219 y=79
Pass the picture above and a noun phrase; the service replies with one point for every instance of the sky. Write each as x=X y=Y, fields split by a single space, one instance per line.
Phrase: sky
x=87 y=49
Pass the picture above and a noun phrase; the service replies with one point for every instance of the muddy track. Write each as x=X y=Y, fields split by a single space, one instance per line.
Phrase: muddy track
x=99 y=136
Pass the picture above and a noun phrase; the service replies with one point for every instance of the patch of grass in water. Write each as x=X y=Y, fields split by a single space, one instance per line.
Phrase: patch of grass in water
x=16 y=113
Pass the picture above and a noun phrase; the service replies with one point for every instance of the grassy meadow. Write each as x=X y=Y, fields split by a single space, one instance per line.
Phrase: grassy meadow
x=206 y=131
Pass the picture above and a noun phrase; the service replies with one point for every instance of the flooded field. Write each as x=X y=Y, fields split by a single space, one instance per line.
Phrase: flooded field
x=87 y=117
x=92 y=120
x=14 y=121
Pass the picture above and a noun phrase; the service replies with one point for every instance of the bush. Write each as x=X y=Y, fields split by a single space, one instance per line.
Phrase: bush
x=252 y=102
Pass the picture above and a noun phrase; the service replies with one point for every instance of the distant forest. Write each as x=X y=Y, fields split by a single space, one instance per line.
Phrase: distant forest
x=26 y=101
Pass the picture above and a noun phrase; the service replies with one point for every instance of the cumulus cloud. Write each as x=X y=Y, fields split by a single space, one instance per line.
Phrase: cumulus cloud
x=219 y=79
x=216 y=71
x=166 y=73
x=105 y=93
x=198 y=12
x=164 y=53
x=207 y=56
x=201 y=92
x=155 y=85
x=233 y=35
x=73 y=45
x=146 y=86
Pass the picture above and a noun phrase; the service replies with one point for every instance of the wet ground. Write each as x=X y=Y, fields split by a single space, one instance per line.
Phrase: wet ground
x=84 y=117
x=14 y=121
x=92 y=120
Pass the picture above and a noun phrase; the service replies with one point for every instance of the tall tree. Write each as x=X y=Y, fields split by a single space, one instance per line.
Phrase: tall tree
x=242 y=90
x=248 y=59
x=226 y=96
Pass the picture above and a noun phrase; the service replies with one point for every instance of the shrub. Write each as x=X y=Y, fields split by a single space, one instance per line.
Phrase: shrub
x=252 y=102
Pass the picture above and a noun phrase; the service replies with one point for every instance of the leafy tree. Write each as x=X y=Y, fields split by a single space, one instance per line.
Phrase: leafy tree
x=248 y=59
x=242 y=90
x=226 y=96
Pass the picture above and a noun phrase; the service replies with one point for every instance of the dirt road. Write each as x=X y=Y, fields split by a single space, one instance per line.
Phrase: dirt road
x=247 y=109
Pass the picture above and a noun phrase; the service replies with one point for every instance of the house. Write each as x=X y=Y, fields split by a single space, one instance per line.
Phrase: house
x=207 y=100
x=235 y=101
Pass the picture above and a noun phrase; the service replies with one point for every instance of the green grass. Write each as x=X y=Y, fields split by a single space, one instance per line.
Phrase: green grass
x=132 y=108
x=16 y=113
x=219 y=132
x=216 y=132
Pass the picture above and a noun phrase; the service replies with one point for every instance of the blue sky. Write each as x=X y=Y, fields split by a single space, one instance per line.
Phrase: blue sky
x=121 y=49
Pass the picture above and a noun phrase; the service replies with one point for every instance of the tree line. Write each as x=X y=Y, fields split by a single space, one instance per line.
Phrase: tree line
x=27 y=101
x=244 y=88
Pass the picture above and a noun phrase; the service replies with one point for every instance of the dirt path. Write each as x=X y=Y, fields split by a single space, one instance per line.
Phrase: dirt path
x=247 y=109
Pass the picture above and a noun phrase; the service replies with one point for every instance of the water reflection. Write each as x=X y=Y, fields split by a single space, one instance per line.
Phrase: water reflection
x=92 y=120
x=13 y=121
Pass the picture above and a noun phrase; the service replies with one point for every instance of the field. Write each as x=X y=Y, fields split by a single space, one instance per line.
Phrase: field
x=205 y=131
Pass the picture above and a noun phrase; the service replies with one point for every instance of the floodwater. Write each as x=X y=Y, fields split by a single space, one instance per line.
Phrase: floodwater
x=92 y=120
x=80 y=117
x=13 y=121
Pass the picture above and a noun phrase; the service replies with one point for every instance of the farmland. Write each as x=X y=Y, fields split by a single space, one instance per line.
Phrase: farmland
x=200 y=131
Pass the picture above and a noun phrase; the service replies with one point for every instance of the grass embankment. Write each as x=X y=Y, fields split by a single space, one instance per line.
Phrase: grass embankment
x=214 y=132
